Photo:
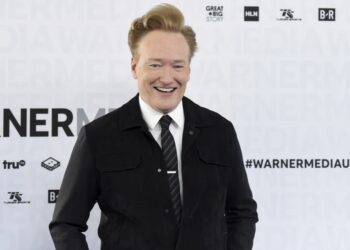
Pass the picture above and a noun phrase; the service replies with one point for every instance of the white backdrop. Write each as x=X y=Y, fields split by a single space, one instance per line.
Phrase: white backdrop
x=285 y=84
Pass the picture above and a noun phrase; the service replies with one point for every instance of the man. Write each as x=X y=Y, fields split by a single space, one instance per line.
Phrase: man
x=166 y=173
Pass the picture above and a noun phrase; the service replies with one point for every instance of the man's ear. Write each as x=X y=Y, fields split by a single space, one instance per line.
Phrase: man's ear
x=133 y=68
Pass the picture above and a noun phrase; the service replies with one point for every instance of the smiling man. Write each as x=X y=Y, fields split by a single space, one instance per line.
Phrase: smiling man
x=162 y=71
x=166 y=173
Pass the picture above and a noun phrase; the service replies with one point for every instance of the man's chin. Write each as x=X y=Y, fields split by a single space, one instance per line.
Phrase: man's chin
x=166 y=108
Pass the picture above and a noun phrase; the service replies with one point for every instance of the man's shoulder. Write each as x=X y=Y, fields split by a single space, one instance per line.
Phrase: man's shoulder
x=106 y=120
x=204 y=115
x=114 y=119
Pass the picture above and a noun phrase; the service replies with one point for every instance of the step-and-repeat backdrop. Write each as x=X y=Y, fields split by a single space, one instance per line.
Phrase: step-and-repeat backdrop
x=279 y=70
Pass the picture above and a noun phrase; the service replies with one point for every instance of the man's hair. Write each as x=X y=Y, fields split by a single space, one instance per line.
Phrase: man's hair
x=165 y=17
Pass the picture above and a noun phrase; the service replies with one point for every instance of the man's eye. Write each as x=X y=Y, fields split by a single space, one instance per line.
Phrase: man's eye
x=155 y=65
x=177 y=66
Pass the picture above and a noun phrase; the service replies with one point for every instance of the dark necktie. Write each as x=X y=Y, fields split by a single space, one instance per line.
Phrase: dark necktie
x=170 y=158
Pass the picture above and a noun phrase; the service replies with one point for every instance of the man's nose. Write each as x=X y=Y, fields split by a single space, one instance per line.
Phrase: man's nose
x=166 y=75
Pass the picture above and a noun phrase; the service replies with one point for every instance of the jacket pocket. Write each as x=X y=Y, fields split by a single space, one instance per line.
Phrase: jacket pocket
x=116 y=162
x=215 y=156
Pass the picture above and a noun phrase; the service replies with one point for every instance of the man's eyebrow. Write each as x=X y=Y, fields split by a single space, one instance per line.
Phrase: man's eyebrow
x=179 y=61
x=161 y=60
x=154 y=59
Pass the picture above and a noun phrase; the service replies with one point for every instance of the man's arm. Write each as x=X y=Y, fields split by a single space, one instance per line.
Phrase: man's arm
x=76 y=198
x=240 y=211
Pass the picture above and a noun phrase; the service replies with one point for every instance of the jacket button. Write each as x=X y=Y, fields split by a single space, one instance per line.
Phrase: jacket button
x=166 y=211
x=191 y=132
x=159 y=170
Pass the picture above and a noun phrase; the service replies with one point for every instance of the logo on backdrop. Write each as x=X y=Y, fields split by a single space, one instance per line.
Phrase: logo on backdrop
x=13 y=164
x=215 y=13
x=251 y=13
x=52 y=195
x=288 y=15
x=15 y=198
x=326 y=14
x=50 y=164
x=295 y=163
x=34 y=122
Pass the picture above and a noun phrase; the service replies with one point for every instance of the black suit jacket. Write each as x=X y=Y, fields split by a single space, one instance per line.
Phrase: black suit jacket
x=117 y=163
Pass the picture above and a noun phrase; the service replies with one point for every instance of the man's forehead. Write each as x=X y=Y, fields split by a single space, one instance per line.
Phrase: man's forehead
x=163 y=40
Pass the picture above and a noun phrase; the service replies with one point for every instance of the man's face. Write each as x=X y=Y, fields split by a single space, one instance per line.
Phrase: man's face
x=162 y=68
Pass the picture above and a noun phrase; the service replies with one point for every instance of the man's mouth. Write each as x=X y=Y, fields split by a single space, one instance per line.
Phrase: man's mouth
x=165 y=90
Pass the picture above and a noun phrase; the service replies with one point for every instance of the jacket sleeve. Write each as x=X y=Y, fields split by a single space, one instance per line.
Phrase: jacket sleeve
x=77 y=196
x=241 y=209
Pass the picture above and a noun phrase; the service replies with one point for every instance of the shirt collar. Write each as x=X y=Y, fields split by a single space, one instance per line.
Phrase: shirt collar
x=152 y=116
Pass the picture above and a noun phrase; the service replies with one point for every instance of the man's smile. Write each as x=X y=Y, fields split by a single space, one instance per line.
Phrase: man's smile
x=165 y=89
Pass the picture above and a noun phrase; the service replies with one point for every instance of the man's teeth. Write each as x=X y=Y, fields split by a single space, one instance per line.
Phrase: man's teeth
x=167 y=90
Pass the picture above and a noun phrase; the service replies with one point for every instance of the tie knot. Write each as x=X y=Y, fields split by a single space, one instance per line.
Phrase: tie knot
x=165 y=121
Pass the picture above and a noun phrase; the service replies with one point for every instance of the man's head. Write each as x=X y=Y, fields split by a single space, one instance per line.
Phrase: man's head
x=162 y=48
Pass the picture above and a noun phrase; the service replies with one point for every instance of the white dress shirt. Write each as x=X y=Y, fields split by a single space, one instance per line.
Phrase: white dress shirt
x=176 y=128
